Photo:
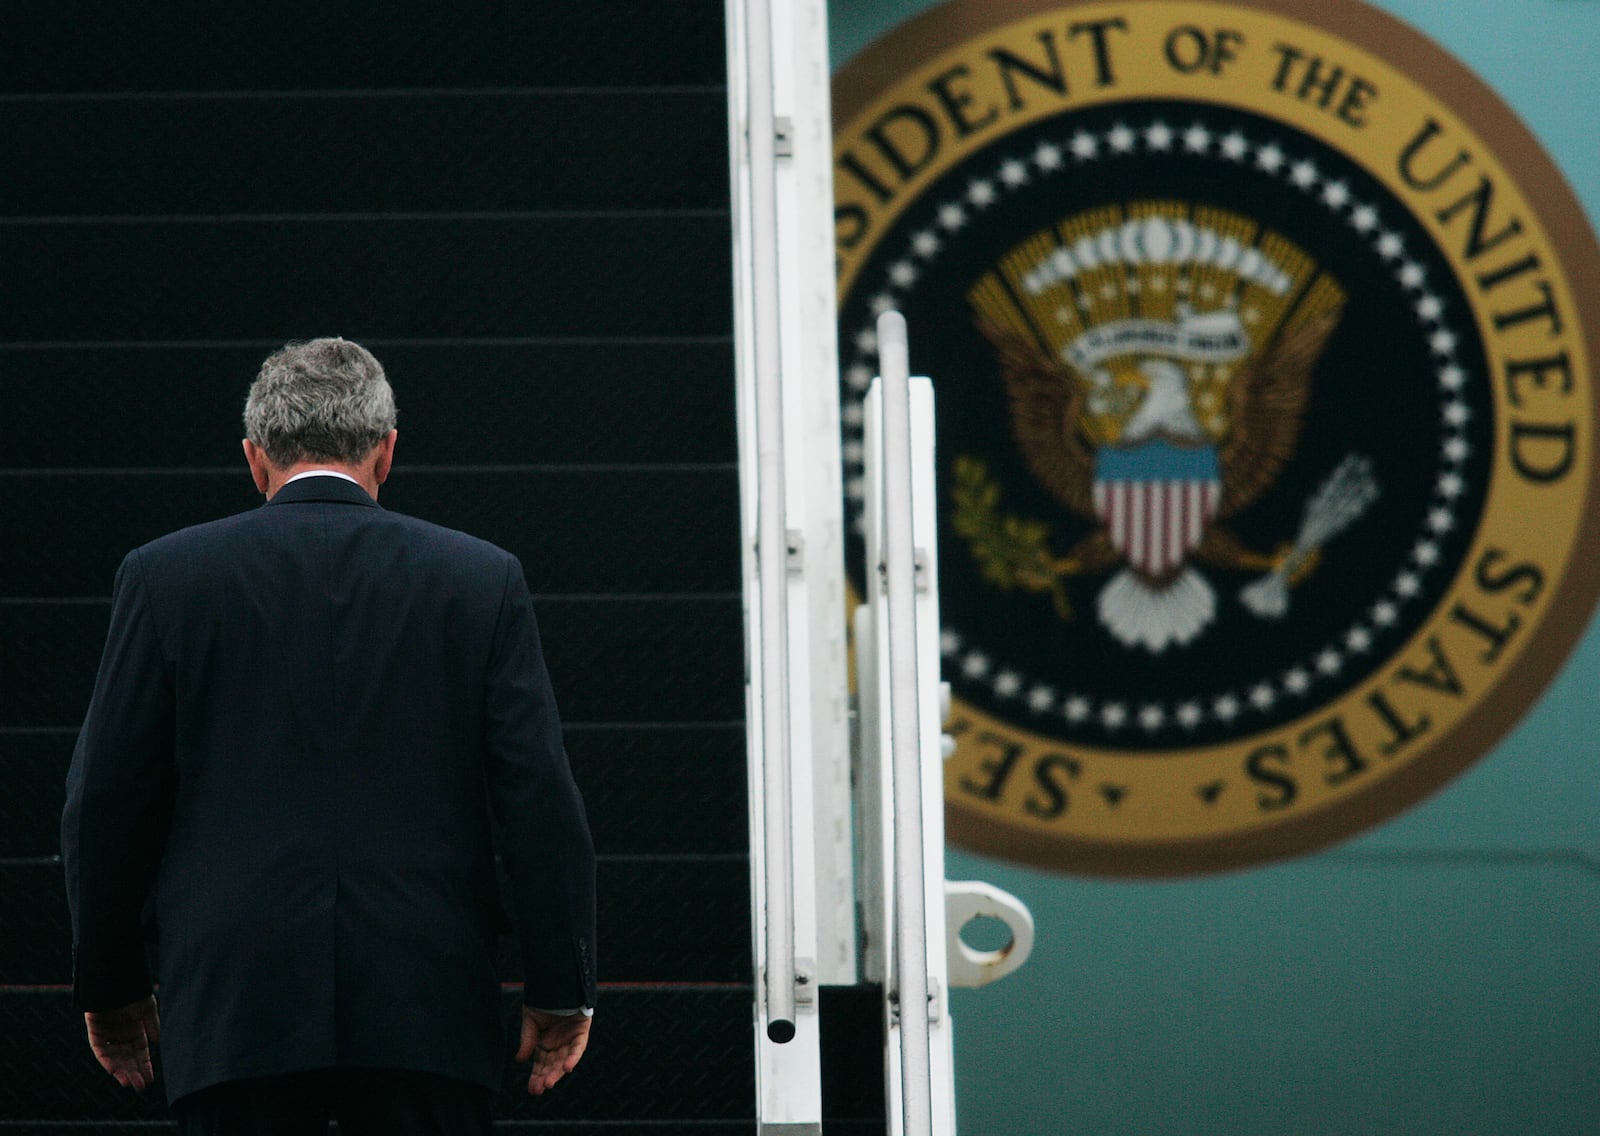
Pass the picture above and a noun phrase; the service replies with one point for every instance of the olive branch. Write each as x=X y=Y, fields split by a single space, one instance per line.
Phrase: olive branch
x=1011 y=552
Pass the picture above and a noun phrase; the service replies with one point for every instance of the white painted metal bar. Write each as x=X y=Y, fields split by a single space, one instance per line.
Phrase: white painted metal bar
x=771 y=528
x=792 y=521
x=882 y=808
x=898 y=575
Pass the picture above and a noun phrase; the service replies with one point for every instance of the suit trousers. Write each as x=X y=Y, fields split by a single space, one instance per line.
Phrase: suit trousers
x=365 y=1102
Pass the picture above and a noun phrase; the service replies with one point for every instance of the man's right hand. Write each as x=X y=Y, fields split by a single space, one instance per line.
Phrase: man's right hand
x=122 y=1038
x=554 y=1043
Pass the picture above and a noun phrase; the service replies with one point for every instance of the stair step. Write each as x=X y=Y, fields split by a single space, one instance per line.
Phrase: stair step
x=402 y=151
x=613 y=660
x=419 y=276
x=456 y=401
x=81 y=45
x=626 y=530
x=675 y=768
x=660 y=919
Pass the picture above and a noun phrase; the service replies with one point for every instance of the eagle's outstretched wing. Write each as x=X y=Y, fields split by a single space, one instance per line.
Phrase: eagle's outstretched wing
x=1046 y=399
x=1268 y=404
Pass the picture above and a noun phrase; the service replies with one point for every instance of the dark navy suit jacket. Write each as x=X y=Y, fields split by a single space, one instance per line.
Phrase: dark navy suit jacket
x=302 y=719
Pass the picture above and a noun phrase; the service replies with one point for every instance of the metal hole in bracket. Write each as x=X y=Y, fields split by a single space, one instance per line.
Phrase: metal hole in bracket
x=984 y=933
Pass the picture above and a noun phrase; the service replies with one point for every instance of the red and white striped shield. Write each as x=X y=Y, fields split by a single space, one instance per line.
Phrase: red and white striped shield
x=1156 y=501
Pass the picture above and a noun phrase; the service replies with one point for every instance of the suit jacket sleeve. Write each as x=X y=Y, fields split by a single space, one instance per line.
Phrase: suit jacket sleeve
x=548 y=851
x=119 y=794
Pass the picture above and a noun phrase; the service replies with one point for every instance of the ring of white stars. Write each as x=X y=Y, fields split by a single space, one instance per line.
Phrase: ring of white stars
x=968 y=659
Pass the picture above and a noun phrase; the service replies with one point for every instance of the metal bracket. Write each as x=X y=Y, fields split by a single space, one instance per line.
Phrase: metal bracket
x=935 y=1001
x=919 y=570
x=783 y=136
x=795 y=554
x=966 y=900
x=805 y=990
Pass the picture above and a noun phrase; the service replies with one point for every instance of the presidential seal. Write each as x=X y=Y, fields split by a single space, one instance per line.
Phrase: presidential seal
x=1265 y=408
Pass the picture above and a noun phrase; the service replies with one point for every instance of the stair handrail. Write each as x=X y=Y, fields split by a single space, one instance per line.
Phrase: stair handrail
x=772 y=541
x=897 y=573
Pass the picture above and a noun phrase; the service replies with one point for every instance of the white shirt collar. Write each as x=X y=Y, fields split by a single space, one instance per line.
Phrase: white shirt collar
x=322 y=473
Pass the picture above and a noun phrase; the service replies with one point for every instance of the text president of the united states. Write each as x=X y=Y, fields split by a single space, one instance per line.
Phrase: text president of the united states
x=304 y=719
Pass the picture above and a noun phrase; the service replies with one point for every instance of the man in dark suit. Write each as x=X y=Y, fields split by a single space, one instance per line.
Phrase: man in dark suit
x=303 y=720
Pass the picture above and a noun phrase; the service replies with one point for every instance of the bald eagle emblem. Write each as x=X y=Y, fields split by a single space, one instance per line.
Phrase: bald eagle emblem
x=1158 y=361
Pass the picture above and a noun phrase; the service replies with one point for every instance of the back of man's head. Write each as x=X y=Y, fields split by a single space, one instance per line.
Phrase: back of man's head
x=324 y=400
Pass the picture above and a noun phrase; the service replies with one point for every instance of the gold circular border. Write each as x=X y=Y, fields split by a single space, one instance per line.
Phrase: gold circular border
x=905 y=47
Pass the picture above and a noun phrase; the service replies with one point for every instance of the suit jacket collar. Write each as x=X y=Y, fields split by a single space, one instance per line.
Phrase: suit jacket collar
x=334 y=489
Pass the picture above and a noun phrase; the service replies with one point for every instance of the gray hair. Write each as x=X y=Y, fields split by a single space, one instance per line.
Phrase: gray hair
x=324 y=400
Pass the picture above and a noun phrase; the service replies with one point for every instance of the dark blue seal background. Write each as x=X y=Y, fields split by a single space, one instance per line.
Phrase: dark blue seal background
x=1375 y=391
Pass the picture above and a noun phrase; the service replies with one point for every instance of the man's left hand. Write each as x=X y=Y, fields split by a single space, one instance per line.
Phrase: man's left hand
x=554 y=1043
x=121 y=1040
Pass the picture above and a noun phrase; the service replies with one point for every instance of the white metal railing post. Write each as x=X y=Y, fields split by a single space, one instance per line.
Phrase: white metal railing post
x=898 y=572
x=772 y=547
x=781 y=212
x=911 y=915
